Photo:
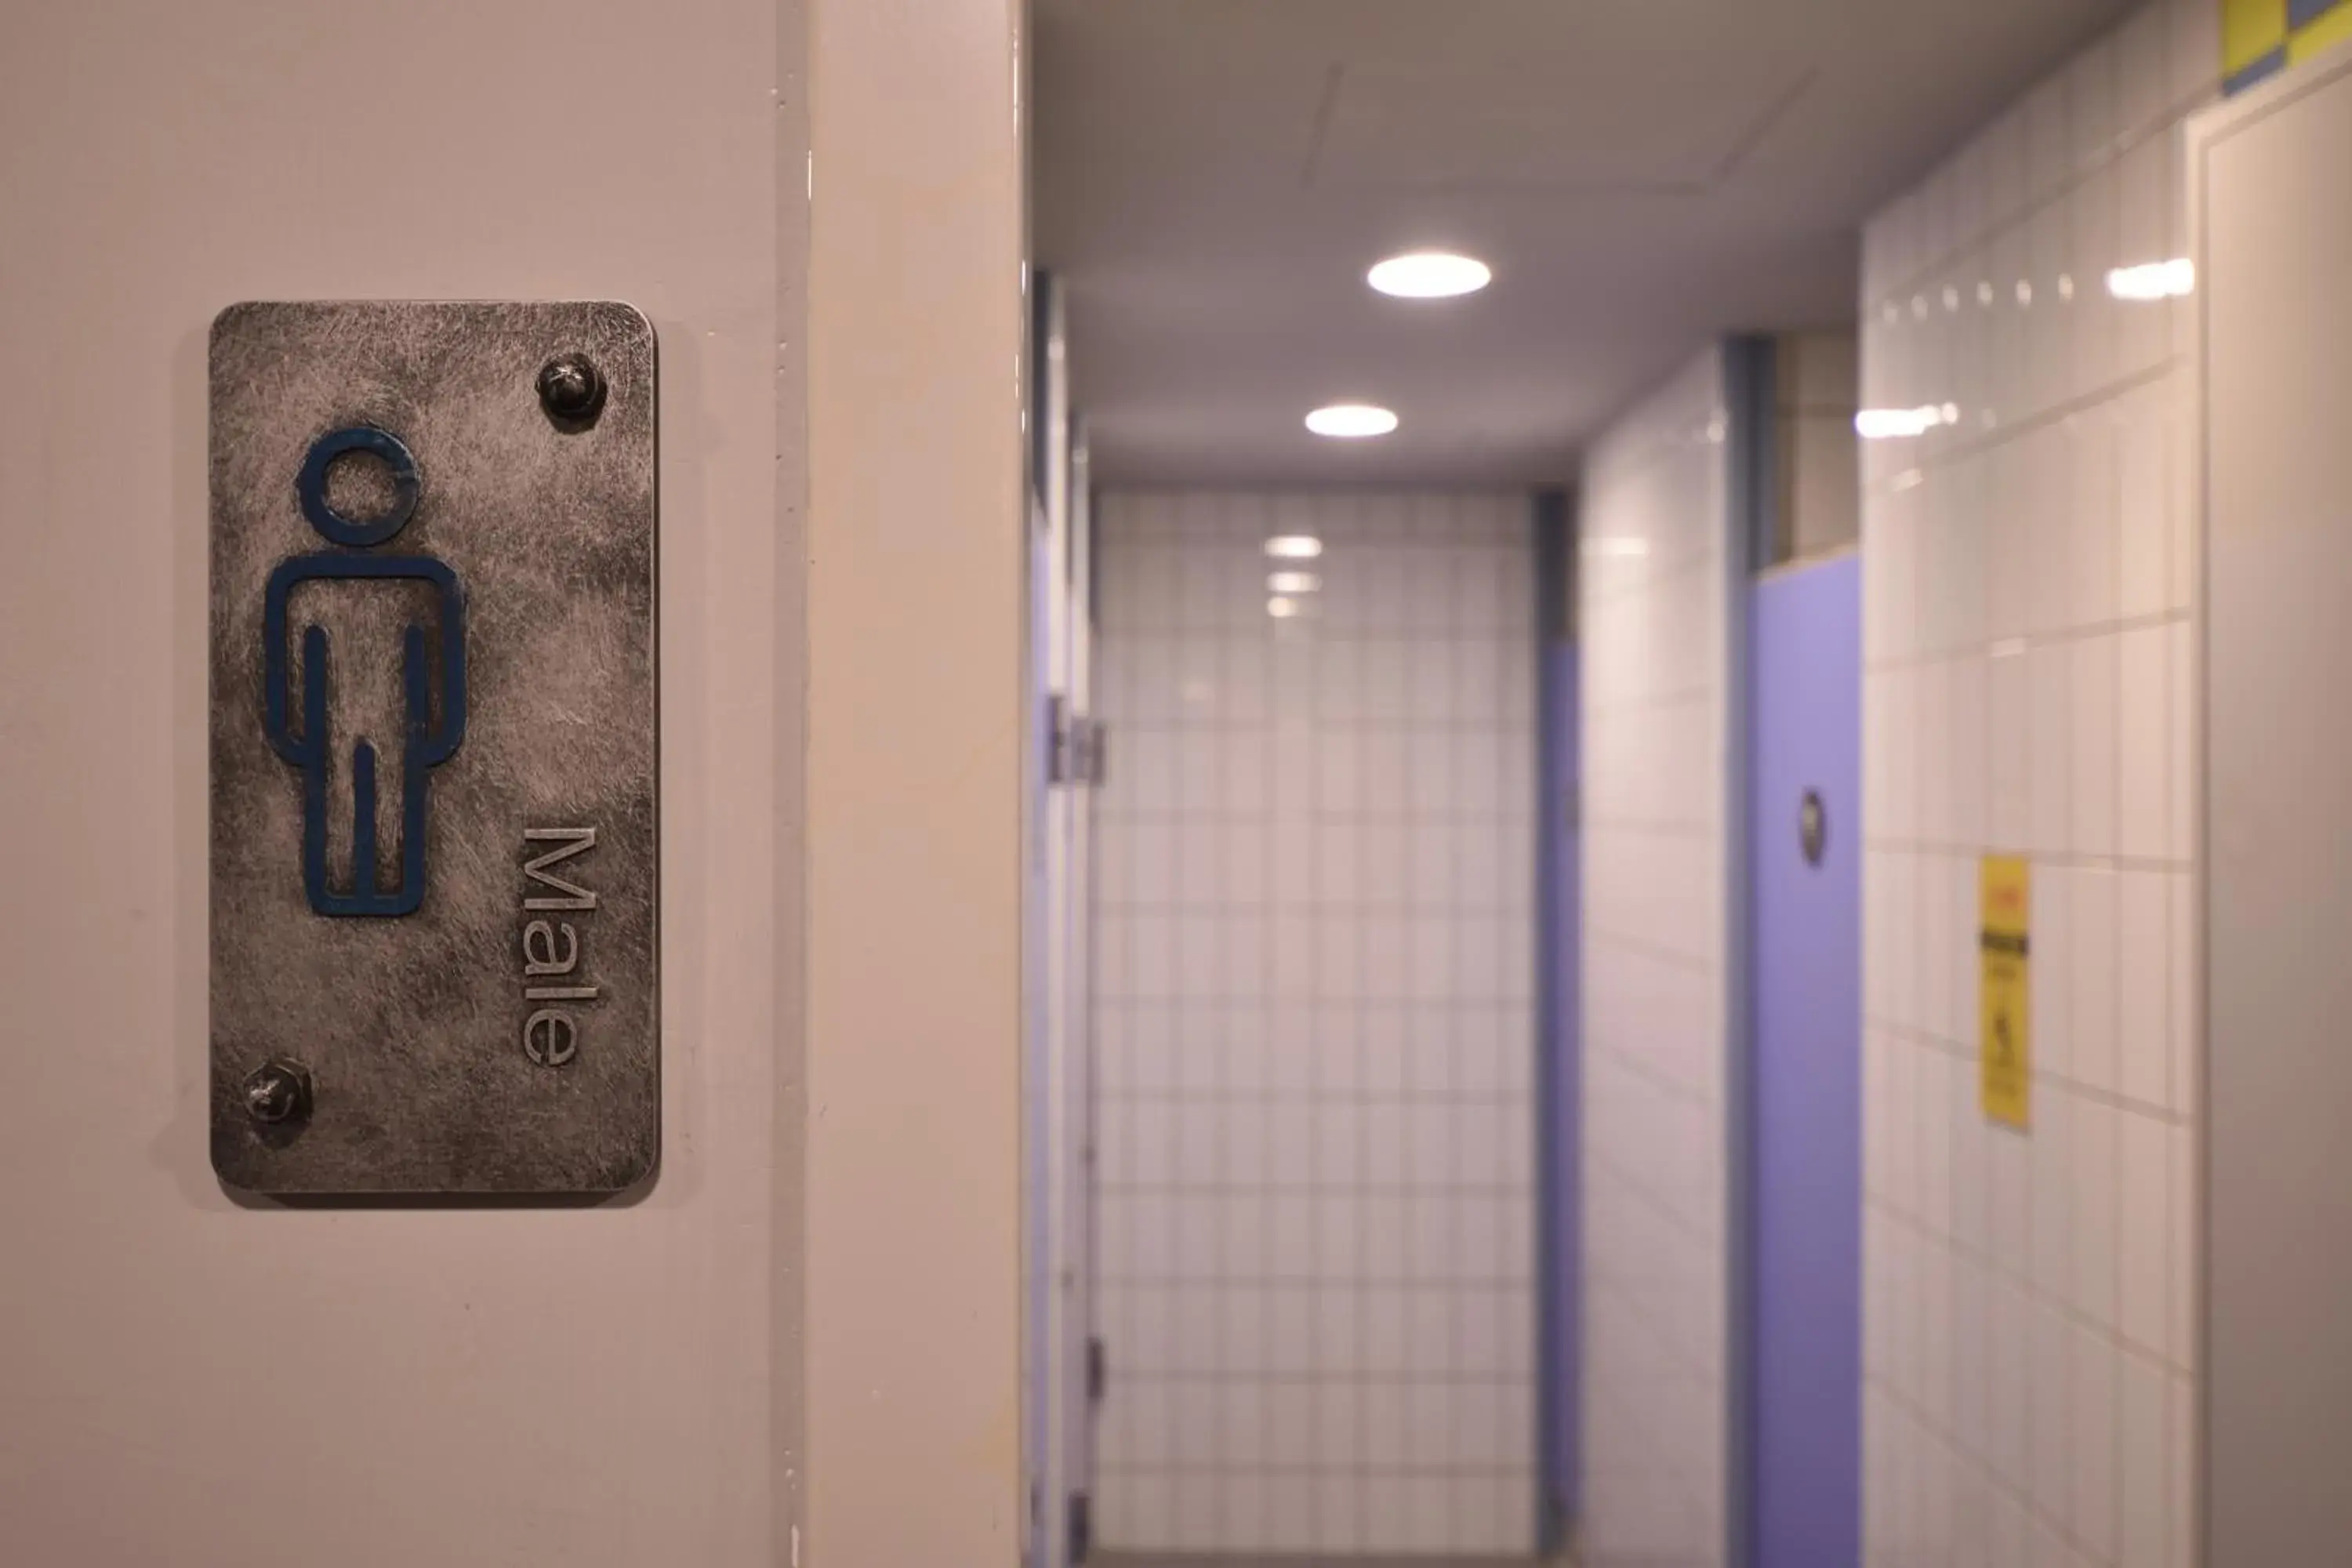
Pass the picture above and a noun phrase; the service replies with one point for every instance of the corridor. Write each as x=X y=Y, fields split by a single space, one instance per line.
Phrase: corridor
x=1642 y=603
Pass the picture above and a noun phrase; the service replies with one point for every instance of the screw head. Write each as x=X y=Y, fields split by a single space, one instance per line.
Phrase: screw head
x=278 y=1092
x=572 y=389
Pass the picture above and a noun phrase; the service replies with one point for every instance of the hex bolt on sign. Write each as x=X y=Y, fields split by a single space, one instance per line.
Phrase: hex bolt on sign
x=277 y=1093
x=572 y=389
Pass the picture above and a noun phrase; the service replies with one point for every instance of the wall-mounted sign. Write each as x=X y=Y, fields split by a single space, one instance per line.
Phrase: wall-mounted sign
x=434 y=828
x=2005 y=1000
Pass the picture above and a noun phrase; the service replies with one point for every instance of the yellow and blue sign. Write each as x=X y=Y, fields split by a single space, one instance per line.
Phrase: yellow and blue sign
x=2005 y=1000
x=2261 y=38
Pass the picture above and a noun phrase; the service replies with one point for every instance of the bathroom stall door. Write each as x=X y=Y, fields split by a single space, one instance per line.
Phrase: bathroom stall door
x=1805 y=1181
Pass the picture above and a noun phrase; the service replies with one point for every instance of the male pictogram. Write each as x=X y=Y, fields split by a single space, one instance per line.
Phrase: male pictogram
x=430 y=729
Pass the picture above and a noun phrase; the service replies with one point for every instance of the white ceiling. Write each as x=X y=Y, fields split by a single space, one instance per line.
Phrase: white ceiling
x=1214 y=176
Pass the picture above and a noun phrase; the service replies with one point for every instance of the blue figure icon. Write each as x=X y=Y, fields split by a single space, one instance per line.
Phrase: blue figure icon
x=427 y=742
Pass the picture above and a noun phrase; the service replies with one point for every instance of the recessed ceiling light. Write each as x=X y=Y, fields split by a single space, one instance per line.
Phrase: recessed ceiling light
x=1351 y=421
x=1281 y=609
x=1430 y=274
x=1294 y=582
x=1293 y=547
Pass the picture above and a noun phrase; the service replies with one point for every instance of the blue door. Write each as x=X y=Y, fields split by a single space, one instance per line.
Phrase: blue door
x=1806 y=974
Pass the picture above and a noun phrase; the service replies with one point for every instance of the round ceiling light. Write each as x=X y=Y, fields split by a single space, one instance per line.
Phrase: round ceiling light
x=1430 y=274
x=1351 y=421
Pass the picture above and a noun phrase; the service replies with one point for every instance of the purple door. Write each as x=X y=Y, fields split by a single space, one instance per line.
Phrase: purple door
x=1806 y=973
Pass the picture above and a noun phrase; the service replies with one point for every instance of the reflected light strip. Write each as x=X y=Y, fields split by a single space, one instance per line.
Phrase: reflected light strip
x=1900 y=424
x=2153 y=280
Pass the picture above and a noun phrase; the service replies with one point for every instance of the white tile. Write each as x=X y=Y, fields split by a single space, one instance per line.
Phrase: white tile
x=2045 y=499
x=2146 y=178
x=2145 y=501
x=1939 y=1087
x=2092 y=762
x=2048 y=322
x=2143 y=992
x=2092 y=1050
x=2002 y=148
x=2182 y=1292
x=2007 y=753
x=2096 y=212
x=1245 y=1513
x=2007 y=366
x=2183 y=1453
x=2008 y=541
x=2182 y=414
x=2050 y=685
x=2145 y=1241
x=1902 y=1111
x=1935 y=937
x=2144 y=70
x=2092 y=507
x=1290 y=1514
x=2008 y=1159
x=2180 y=771
x=2050 y=151
x=2094 y=1419
x=2180 y=972
x=1339 y=1507
x=2009 y=1368
x=2006 y=1532
x=1970 y=1137
x=2092 y=101
x=2094 y=1230
x=2053 y=1207
x=2051 y=995
x=1970 y=753
x=1971 y=1347
x=2142 y=1475
x=2143 y=742
x=2050 y=1394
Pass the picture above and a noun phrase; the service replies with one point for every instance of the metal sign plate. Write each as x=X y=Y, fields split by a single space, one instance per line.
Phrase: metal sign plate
x=434 y=827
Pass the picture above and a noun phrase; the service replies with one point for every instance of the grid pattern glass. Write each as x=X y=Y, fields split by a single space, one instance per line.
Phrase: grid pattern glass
x=1316 y=1023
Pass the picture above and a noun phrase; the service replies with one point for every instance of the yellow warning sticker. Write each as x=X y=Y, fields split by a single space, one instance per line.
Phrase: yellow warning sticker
x=2007 y=1005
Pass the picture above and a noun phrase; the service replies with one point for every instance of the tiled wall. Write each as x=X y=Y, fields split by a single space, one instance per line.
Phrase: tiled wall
x=2029 y=568
x=1657 y=556
x=1316 y=1021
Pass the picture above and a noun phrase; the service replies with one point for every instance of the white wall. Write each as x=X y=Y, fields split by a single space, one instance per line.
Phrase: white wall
x=185 y=1380
x=2029 y=603
x=1655 y=587
x=1316 y=1022
x=916 y=731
